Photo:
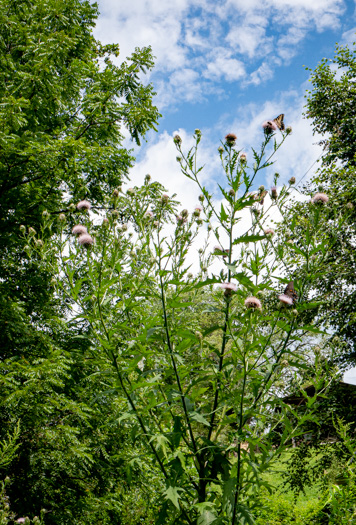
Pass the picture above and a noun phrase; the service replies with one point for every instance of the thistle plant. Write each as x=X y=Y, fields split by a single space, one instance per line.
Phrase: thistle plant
x=200 y=359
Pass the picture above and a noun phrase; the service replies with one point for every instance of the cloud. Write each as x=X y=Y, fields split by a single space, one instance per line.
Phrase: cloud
x=215 y=40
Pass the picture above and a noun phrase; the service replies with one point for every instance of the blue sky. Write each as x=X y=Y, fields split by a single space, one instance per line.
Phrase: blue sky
x=226 y=66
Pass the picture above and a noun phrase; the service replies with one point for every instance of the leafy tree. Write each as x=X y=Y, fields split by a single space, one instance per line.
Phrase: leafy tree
x=66 y=105
x=331 y=106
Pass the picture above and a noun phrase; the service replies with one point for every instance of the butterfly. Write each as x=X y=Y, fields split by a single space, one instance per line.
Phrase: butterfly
x=290 y=292
x=279 y=121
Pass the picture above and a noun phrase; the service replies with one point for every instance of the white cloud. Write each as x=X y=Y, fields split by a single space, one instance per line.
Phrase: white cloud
x=219 y=41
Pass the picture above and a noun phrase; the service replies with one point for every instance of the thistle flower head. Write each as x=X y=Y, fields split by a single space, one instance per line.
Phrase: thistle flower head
x=321 y=198
x=253 y=302
x=230 y=139
x=85 y=239
x=269 y=126
x=285 y=299
x=201 y=198
x=269 y=231
x=79 y=229
x=243 y=158
x=229 y=288
x=274 y=193
x=31 y=231
x=83 y=205
x=292 y=180
x=177 y=140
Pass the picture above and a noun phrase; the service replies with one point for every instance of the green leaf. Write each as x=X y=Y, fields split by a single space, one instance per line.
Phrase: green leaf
x=172 y=495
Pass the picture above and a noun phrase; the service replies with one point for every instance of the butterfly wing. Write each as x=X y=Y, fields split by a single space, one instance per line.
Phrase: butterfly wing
x=279 y=121
x=290 y=292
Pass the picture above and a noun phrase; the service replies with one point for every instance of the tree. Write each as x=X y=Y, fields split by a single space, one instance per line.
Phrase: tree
x=331 y=106
x=65 y=108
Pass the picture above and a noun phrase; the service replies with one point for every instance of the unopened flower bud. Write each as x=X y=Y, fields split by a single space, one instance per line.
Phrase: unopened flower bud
x=114 y=214
x=45 y=214
x=31 y=231
x=61 y=217
x=292 y=180
x=232 y=193
x=124 y=227
x=274 y=193
x=197 y=132
x=184 y=213
x=115 y=193
x=105 y=223
x=38 y=243
x=148 y=178
x=165 y=198
x=22 y=228
x=177 y=140
x=130 y=192
x=201 y=198
x=198 y=335
x=261 y=188
x=221 y=150
x=179 y=159
x=288 y=130
x=155 y=224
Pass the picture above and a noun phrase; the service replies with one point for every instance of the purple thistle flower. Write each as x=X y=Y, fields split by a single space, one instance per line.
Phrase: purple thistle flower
x=84 y=205
x=285 y=299
x=229 y=286
x=268 y=231
x=269 y=126
x=79 y=229
x=320 y=197
x=253 y=302
x=85 y=239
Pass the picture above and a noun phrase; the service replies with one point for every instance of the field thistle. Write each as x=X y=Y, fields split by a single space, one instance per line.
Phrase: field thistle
x=230 y=139
x=164 y=198
x=221 y=150
x=320 y=198
x=269 y=126
x=197 y=211
x=115 y=193
x=79 y=229
x=232 y=192
x=229 y=288
x=85 y=240
x=292 y=180
x=253 y=303
x=243 y=158
x=269 y=232
x=285 y=299
x=22 y=228
x=274 y=193
x=84 y=205
x=177 y=140
x=131 y=192
x=147 y=178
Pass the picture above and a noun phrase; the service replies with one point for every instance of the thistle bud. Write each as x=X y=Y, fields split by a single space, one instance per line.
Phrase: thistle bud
x=130 y=192
x=288 y=130
x=177 y=140
x=243 y=158
x=115 y=193
x=220 y=150
x=201 y=198
x=274 y=193
x=147 y=178
x=22 y=228
x=292 y=180
x=165 y=198
x=31 y=231
x=61 y=217
x=232 y=193
x=114 y=214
